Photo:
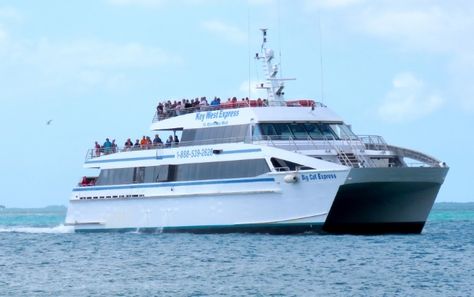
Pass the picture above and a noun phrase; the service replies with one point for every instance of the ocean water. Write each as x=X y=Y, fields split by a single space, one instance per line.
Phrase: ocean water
x=41 y=257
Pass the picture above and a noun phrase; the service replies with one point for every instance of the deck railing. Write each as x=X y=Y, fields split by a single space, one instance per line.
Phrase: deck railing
x=339 y=147
x=173 y=112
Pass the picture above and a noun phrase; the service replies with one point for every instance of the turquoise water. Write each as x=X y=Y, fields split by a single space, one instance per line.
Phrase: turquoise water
x=40 y=257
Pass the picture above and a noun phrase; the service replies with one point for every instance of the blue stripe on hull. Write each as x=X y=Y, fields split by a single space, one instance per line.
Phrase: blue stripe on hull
x=174 y=184
x=159 y=157
x=219 y=229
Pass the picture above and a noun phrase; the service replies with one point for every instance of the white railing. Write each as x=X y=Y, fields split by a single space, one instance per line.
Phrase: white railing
x=340 y=147
x=94 y=153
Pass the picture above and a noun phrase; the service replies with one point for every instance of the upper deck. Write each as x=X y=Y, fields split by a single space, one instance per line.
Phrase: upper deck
x=242 y=112
x=177 y=111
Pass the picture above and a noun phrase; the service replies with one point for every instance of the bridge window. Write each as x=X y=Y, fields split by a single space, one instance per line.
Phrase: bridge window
x=304 y=131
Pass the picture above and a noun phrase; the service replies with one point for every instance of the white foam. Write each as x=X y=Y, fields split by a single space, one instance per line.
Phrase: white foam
x=57 y=229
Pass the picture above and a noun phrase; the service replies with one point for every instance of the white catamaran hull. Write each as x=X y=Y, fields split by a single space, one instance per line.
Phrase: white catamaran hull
x=268 y=203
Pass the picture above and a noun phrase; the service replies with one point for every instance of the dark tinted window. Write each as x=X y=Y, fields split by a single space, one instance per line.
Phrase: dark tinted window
x=219 y=170
x=282 y=131
x=184 y=172
x=215 y=134
x=314 y=132
x=116 y=176
x=298 y=131
x=285 y=165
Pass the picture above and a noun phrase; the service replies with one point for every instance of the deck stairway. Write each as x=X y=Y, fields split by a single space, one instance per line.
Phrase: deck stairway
x=348 y=159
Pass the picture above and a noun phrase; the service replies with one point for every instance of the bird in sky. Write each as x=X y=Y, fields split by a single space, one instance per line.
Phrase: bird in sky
x=49 y=122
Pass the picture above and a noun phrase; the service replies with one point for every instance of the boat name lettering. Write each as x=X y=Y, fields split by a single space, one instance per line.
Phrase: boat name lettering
x=318 y=176
x=194 y=153
x=218 y=114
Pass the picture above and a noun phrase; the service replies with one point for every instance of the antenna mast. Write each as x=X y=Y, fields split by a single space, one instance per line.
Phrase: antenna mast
x=273 y=85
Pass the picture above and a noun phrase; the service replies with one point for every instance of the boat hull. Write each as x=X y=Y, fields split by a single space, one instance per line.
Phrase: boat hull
x=268 y=204
x=385 y=200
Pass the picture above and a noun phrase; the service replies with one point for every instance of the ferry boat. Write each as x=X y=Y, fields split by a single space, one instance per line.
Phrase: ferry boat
x=272 y=166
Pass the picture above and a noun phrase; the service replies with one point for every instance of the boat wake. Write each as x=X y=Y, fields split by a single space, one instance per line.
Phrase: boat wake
x=47 y=230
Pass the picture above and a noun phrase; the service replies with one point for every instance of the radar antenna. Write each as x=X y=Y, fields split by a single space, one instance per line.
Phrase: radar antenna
x=273 y=85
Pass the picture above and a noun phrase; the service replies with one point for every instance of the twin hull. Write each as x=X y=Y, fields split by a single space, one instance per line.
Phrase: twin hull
x=357 y=200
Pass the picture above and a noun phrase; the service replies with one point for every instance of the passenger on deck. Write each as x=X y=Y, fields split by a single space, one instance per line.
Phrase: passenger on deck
x=188 y=105
x=143 y=143
x=178 y=108
x=114 y=146
x=214 y=102
x=107 y=147
x=157 y=141
x=84 y=181
x=203 y=104
x=176 y=140
x=136 y=146
x=128 y=144
x=159 y=108
x=97 y=149
x=149 y=143
x=169 y=141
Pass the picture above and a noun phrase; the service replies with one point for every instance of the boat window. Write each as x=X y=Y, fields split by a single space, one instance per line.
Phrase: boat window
x=282 y=131
x=285 y=165
x=313 y=131
x=151 y=174
x=267 y=130
x=298 y=131
x=115 y=176
x=188 y=135
x=220 y=132
x=242 y=131
x=220 y=170
x=184 y=172
x=256 y=134
x=326 y=131
x=302 y=131
x=139 y=175
x=343 y=131
x=164 y=173
x=213 y=135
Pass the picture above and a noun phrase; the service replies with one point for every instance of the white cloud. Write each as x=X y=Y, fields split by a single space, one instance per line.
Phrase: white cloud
x=438 y=29
x=434 y=26
x=408 y=100
x=225 y=31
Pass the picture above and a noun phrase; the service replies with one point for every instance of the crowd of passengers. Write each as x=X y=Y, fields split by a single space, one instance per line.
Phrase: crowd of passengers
x=110 y=147
x=168 y=109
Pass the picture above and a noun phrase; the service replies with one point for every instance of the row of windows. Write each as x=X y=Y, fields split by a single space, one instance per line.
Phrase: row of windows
x=303 y=131
x=184 y=172
x=213 y=135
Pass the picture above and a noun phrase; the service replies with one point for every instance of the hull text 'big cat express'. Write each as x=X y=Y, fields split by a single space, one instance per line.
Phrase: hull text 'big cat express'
x=255 y=165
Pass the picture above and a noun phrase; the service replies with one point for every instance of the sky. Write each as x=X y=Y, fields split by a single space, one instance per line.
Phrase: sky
x=97 y=68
